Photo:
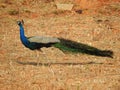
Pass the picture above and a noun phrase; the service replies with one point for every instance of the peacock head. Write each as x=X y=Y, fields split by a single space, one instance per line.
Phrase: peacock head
x=20 y=22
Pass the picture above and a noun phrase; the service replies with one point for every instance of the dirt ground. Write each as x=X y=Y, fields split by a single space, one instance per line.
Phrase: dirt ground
x=97 y=24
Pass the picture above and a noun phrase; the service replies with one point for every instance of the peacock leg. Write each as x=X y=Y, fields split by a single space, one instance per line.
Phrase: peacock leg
x=48 y=63
x=37 y=55
x=43 y=57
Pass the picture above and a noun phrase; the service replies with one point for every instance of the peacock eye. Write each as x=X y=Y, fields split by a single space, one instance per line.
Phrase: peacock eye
x=18 y=22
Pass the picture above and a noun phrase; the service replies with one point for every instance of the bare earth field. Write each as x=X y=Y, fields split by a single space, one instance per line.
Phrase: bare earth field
x=98 y=25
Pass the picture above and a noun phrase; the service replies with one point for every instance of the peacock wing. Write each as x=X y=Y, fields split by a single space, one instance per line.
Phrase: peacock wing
x=44 y=40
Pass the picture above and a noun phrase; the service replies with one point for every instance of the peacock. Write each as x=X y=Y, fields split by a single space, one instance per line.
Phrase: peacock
x=67 y=46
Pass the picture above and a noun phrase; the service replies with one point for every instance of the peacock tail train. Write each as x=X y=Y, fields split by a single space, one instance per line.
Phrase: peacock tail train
x=75 y=47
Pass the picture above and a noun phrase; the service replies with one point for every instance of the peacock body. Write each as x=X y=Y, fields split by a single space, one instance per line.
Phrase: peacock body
x=37 y=42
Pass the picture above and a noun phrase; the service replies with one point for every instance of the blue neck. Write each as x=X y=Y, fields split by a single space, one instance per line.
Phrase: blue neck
x=22 y=36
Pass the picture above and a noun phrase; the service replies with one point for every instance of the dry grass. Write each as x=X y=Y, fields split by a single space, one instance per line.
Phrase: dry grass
x=58 y=71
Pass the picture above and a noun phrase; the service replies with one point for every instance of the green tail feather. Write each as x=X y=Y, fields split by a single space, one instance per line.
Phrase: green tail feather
x=74 y=47
x=66 y=48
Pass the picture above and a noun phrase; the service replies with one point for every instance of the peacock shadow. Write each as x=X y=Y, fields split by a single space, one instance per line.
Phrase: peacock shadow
x=57 y=63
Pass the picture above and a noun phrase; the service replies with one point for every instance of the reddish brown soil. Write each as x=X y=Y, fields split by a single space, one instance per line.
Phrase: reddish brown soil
x=98 y=25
